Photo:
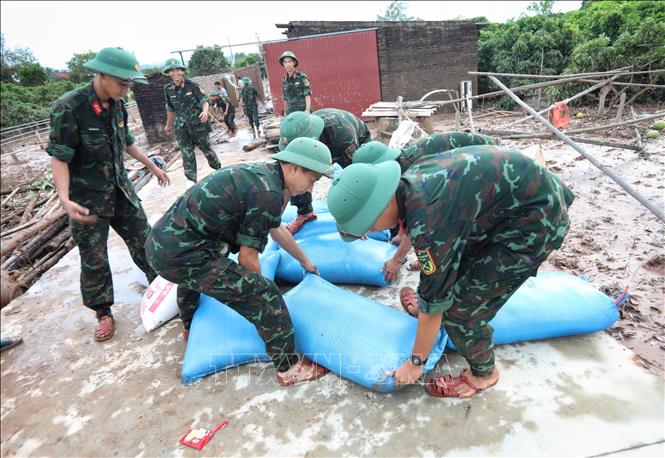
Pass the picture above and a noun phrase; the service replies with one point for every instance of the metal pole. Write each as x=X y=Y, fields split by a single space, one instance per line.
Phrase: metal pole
x=641 y=199
x=182 y=58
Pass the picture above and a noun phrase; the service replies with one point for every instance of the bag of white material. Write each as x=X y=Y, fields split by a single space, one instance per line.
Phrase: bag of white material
x=402 y=135
x=159 y=303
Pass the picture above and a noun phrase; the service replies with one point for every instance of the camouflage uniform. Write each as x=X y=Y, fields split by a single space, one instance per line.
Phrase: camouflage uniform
x=186 y=101
x=294 y=90
x=235 y=206
x=343 y=133
x=229 y=119
x=92 y=141
x=438 y=143
x=481 y=220
x=249 y=95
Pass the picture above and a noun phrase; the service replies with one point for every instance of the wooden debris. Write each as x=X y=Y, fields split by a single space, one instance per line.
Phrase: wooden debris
x=255 y=144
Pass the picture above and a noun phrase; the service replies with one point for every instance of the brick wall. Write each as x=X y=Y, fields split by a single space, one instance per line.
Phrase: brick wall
x=254 y=73
x=150 y=101
x=415 y=57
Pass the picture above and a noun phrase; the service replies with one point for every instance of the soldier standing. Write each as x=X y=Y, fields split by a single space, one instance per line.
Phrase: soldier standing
x=187 y=109
x=234 y=209
x=89 y=136
x=296 y=89
x=342 y=132
x=482 y=222
x=249 y=95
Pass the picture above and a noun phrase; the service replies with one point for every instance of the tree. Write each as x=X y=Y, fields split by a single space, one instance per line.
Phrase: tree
x=32 y=75
x=207 y=61
x=396 y=11
x=12 y=59
x=77 y=72
x=545 y=7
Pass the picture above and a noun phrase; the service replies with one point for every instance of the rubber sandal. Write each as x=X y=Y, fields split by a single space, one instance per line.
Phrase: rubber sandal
x=7 y=344
x=444 y=386
x=319 y=371
x=295 y=225
x=409 y=300
x=106 y=329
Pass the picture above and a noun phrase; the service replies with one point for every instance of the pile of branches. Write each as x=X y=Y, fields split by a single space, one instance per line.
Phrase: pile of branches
x=34 y=229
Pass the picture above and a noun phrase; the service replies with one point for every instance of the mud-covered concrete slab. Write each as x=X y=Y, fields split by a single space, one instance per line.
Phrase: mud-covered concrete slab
x=63 y=394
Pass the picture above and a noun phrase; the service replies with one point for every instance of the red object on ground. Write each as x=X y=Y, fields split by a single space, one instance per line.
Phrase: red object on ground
x=343 y=69
x=198 y=438
x=560 y=115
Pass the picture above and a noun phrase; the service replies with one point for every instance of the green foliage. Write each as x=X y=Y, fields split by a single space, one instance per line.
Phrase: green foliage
x=601 y=36
x=396 y=11
x=21 y=104
x=77 y=72
x=207 y=61
x=12 y=60
x=32 y=75
x=151 y=71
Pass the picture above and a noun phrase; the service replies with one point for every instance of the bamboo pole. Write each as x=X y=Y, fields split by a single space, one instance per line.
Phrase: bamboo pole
x=574 y=75
x=8 y=247
x=516 y=135
x=629 y=189
x=622 y=101
x=616 y=124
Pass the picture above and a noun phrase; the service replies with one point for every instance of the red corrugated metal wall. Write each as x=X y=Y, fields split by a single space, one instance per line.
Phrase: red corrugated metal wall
x=343 y=69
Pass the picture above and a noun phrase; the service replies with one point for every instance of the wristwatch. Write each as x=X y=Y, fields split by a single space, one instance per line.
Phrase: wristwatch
x=416 y=361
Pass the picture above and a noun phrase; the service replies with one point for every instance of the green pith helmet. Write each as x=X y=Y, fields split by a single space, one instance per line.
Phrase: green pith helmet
x=119 y=63
x=172 y=63
x=214 y=93
x=288 y=54
x=247 y=80
x=308 y=153
x=299 y=124
x=374 y=153
x=360 y=194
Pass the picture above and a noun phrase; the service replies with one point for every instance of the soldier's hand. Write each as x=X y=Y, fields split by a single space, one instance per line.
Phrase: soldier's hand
x=407 y=373
x=203 y=116
x=307 y=110
x=310 y=267
x=391 y=269
x=167 y=130
x=78 y=213
x=162 y=176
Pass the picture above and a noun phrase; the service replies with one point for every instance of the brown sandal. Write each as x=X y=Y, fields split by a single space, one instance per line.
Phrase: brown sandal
x=106 y=329
x=295 y=225
x=444 y=386
x=409 y=300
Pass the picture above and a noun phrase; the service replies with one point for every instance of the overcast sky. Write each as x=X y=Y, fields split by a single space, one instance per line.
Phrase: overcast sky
x=54 y=31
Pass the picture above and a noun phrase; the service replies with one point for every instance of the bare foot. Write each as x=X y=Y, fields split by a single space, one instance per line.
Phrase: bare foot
x=304 y=370
x=463 y=386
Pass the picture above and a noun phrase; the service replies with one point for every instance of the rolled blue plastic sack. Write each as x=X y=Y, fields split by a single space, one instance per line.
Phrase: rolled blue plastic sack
x=353 y=336
x=552 y=304
x=359 y=262
x=220 y=337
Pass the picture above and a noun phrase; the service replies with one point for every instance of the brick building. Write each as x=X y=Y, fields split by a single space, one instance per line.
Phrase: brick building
x=415 y=57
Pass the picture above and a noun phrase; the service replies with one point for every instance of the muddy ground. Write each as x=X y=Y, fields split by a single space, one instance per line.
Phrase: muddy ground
x=614 y=241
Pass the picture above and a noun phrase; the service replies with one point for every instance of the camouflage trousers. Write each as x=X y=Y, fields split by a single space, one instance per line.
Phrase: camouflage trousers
x=439 y=142
x=229 y=119
x=486 y=279
x=295 y=105
x=131 y=224
x=248 y=293
x=188 y=138
x=252 y=113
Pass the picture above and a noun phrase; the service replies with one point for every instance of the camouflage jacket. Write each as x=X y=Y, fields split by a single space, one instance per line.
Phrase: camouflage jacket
x=453 y=206
x=249 y=95
x=294 y=91
x=343 y=133
x=236 y=205
x=186 y=101
x=438 y=143
x=92 y=140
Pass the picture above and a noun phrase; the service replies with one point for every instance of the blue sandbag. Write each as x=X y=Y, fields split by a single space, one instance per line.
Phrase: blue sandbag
x=220 y=337
x=552 y=304
x=352 y=335
x=359 y=262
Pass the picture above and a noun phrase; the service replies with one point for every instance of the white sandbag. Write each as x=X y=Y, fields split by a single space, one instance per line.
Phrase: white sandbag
x=159 y=303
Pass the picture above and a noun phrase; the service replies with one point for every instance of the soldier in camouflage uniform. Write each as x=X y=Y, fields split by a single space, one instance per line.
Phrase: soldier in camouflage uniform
x=187 y=110
x=249 y=94
x=342 y=132
x=234 y=209
x=296 y=89
x=376 y=152
x=88 y=139
x=482 y=221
